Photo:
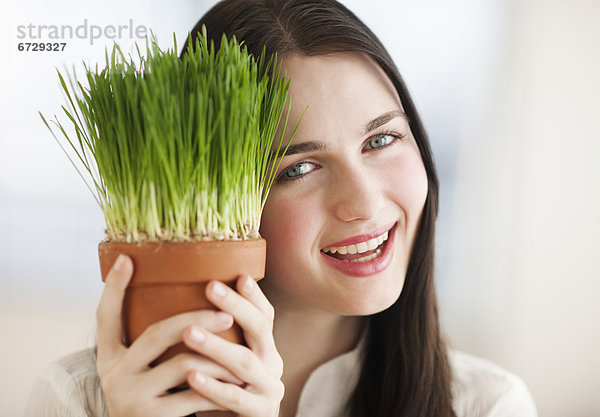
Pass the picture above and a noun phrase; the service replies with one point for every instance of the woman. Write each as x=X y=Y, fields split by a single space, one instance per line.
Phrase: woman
x=345 y=321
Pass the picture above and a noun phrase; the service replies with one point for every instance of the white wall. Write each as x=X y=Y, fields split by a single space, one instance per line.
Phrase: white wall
x=527 y=210
x=509 y=94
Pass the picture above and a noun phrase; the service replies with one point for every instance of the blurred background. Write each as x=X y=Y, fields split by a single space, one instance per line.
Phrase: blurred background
x=509 y=92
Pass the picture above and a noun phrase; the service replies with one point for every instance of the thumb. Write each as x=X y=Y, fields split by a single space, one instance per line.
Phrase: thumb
x=110 y=307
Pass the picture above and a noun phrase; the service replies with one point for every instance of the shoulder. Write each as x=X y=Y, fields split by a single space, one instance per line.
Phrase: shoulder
x=68 y=387
x=481 y=388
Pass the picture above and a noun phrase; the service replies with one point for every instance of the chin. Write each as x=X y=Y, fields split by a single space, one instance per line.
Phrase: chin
x=366 y=306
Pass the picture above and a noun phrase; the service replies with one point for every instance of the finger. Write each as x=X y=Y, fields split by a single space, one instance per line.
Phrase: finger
x=173 y=372
x=258 y=328
x=163 y=334
x=249 y=288
x=184 y=403
x=238 y=359
x=258 y=334
x=228 y=396
x=108 y=313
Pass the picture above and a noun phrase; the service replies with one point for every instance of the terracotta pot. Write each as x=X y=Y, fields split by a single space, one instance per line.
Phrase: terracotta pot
x=170 y=278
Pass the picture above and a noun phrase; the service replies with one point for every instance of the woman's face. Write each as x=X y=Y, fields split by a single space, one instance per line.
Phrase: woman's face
x=352 y=177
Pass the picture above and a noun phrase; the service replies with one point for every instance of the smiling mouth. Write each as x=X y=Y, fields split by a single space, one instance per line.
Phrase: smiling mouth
x=362 y=257
x=360 y=252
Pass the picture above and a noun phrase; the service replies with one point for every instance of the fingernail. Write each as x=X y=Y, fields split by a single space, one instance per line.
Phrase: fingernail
x=199 y=378
x=119 y=262
x=224 y=318
x=249 y=283
x=219 y=289
x=197 y=335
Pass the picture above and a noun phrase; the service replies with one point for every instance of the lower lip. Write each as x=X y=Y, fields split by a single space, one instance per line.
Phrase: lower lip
x=366 y=269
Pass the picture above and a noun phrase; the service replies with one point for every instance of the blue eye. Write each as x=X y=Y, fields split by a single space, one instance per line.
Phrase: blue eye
x=296 y=171
x=379 y=141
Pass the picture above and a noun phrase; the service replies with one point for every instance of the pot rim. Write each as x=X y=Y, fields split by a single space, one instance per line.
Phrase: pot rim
x=187 y=262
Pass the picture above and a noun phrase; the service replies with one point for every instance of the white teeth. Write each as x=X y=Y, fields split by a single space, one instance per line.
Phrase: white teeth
x=368 y=257
x=361 y=247
x=372 y=244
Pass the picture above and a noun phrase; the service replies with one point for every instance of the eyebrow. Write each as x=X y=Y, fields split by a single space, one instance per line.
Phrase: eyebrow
x=383 y=119
x=301 y=148
x=312 y=146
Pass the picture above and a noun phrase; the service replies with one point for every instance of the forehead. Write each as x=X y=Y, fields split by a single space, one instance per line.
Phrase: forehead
x=338 y=91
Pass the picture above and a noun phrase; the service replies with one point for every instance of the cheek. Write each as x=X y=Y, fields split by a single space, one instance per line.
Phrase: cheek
x=409 y=184
x=286 y=224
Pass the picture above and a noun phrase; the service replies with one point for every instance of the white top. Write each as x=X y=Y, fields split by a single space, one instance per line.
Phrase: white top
x=70 y=388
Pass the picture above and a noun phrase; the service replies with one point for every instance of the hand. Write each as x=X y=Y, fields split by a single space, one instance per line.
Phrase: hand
x=259 y=365
x=131 y=387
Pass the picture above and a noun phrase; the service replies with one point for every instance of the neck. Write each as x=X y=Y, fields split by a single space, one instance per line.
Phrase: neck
x=306 y=333
x=306 y=337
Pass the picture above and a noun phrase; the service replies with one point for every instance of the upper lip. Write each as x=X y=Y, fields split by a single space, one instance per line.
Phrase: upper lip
x=361 y=238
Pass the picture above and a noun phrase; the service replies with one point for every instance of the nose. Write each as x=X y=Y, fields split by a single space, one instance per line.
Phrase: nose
x=357 y=195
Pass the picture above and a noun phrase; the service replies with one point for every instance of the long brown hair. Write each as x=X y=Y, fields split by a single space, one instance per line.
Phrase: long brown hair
x=405 y=370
